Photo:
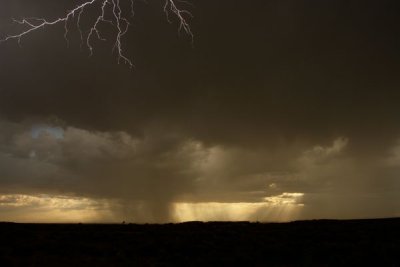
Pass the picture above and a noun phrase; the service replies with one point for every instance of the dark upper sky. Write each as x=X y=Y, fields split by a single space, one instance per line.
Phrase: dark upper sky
x=274 y=96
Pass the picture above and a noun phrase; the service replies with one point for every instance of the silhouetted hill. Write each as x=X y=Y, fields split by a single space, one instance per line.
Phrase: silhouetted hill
x=301 y=243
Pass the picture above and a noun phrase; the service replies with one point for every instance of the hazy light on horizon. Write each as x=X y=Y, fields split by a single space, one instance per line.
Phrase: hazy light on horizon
x=56 y=209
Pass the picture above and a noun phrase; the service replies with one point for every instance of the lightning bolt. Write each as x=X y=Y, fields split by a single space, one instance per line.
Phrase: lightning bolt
x=108 y=8
x=181 y=14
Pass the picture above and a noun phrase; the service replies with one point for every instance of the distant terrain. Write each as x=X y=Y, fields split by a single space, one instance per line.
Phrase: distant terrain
x=302 y=243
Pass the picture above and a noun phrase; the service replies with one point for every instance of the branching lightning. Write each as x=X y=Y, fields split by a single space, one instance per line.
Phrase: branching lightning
x=111 y=12
x=170 y=6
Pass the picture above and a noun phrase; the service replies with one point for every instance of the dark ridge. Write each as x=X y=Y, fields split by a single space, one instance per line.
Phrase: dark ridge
x=371 y=242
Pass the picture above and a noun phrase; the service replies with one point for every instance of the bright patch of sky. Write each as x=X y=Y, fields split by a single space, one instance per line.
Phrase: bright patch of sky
x=38 y=130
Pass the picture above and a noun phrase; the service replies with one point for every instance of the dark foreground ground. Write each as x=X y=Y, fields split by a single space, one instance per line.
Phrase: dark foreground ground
x=303 y=243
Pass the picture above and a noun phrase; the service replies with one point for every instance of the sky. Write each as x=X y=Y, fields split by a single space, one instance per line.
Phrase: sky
x=278 y=110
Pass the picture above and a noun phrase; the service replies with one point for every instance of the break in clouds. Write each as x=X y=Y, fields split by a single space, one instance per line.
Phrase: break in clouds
x=282 y=110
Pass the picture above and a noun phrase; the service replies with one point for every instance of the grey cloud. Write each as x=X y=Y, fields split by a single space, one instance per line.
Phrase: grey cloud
x=143 y=176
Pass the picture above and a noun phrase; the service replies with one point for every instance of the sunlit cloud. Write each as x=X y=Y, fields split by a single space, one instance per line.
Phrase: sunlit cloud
x=284 y=207
x=47 y=208
x=285 y=199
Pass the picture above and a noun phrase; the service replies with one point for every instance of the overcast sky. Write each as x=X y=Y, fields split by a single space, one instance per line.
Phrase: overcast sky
x=280 y=110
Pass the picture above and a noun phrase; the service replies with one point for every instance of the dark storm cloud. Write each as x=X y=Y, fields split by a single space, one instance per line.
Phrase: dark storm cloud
x=299 y=94
x=276 y=67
